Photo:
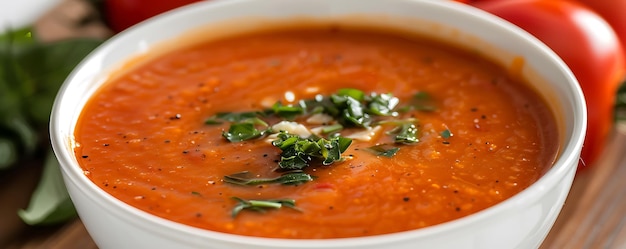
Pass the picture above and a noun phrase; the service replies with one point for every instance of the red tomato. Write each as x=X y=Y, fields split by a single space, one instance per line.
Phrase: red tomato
x=121 y=14
x=588 y=46
x=614 y=12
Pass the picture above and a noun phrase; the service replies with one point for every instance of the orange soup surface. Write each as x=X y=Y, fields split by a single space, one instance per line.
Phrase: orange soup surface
x=478 y=135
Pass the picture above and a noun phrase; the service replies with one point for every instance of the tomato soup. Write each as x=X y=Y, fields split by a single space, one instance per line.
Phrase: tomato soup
x=195 y=135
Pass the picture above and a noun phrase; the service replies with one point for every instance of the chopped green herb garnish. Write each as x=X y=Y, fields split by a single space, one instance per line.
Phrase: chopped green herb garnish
x=384 y=150
x=233 y=117
x=349 y=108
x=332 y=128
x=421 y=101
x=405 y=133
x=242 y=131
x=351 y=92
x=289 y=112
x=261 y=205
x=289 y=178
x=382 y=104
x=298 y=153
x=352 y=112
x=445 y=134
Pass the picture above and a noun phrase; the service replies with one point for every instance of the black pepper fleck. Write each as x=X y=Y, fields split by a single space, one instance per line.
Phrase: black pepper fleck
x=406 y=199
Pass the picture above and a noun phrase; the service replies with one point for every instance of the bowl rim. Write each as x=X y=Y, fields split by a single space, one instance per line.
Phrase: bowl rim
x=73 y=174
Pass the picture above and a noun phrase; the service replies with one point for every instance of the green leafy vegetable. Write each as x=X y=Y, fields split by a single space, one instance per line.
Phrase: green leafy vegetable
x=421 y=101
x=244 y=131
x=332 y=128
x=351 y=92
x=50 y=202
x=289 y=178
x=446 y=134
x=405 y=132
x=382 y=104
x=233 y=117
x=352 y=112
x=288 y=112
x=384 y=150
x=298 y=153
x=261 y=205
x=31 y=74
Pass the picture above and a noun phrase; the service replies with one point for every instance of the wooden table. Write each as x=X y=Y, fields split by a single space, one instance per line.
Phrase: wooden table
x=594 y=215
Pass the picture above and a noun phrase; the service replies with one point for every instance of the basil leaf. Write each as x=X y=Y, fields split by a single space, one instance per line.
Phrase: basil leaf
x=446 y=134
x=287 y=112
x=332 y=128
x=383 y=150
x=242 y=131
x=353 y=93
x=405 y=132
x=289 y=178
x=298 y=153
x=294 y=160
x=222 y=117
x=343 y=143
x=422 y=101
x=8 y=153
x=382 y=104
x=354 y=114
x=50 y=203
x=331 y=152
x=261 y=205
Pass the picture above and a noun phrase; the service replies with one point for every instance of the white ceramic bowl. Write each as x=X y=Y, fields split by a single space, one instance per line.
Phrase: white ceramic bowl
x=522 y=221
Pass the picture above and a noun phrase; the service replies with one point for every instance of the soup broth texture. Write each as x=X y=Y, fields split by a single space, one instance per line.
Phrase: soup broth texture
x=315 y=133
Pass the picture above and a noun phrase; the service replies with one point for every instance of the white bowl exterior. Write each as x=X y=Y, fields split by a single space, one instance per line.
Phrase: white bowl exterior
x=522 y=221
